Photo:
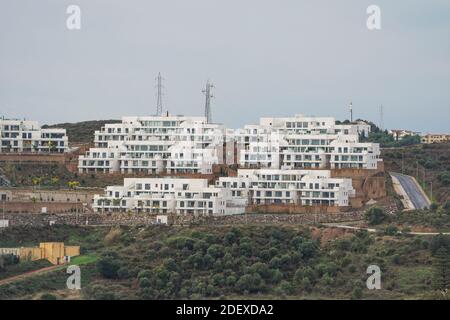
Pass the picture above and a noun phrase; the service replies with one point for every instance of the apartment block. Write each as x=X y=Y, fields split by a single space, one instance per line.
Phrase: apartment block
x=287 y=186
x=301 y=142
x=28 y=137
x=166 y=195
x=154 y=144
x=229 y=195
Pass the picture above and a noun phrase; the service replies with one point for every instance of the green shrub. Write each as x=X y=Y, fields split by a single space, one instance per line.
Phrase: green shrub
x=375 y=215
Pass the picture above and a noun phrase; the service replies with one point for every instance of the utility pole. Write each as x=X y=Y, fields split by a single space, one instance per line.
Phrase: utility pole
x=159 y=86
x=431 y=191
x=208 y=96
x=403 y=160
x=417 y=169
x=351 y=111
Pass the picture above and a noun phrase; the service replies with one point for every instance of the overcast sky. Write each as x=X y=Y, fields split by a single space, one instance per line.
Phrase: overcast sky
x=266 y=58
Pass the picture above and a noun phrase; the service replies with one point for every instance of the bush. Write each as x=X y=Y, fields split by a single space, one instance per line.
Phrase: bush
x=108 y=267
x=262 y=269
x=250 y=283
x=48 y=296
x=357 y=293
x=434 y=206
x=439 y=241
x=375 y=215
x=216 y=251
x=444 y=178
x=391 y=230
x=113 y=235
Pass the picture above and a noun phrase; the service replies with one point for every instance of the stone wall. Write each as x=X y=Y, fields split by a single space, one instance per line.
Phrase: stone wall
x=33 y=157
x=293 y=209
x=29 y=207
x=50 y=195
x=135 y=219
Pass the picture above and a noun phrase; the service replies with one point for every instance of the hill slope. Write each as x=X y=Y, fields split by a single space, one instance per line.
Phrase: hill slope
x=242 y=261
x=81 y=132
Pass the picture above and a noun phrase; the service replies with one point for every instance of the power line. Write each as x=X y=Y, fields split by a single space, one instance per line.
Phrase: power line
x=159 y=104
x=351 y=111
x=208 y=96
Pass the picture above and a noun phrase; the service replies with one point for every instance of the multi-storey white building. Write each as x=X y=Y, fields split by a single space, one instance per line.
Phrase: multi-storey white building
x=305 y=142
x=153 y=144
x=230 y=195
x=278 y=186
x=27 y=136
x=167 y=195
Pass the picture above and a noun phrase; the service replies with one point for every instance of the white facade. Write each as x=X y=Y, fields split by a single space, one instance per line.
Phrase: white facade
x=154 y=144
x=230 y=195
x=178 y=144
x=166 y=195
x=277 y=186
x=305 y=142
x=27 y=136
x=4 y=223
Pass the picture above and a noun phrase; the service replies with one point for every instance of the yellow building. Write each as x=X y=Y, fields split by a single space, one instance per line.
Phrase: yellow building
x=55 y=252
x=435 y=138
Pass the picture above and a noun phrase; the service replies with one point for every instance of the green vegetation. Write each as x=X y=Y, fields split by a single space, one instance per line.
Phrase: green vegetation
x=245 y=261
x=23 y=267
x=383 y=137
x=428 y=163
x=386 y=140
x=375 y=215
x=81 y=132
x=54 y=176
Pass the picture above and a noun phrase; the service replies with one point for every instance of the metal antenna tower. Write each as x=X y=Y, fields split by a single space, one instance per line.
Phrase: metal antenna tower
x=208 y=96
x=351 y=111
x=159 y=86
x=381 y=118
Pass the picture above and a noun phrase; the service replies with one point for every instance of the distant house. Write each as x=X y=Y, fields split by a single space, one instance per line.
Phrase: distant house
x=399 y=134
x=28 y=136
x=435 y=138
x=55 y=252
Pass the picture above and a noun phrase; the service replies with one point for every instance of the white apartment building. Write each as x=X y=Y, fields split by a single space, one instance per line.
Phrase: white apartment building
x=277 y=186
x=347 y=152
x=230 y=195
x=305 y=142
x=178 y=144
x=153 y=144
x=28 y=136
x=166 y=195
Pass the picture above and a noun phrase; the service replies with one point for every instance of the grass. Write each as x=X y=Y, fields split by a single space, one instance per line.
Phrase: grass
x=414 y=279
x=23 y=267
x=404 y=260
x=82 y=260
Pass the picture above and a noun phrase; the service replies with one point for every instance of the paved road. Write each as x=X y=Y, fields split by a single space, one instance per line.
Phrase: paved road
x=412 y=190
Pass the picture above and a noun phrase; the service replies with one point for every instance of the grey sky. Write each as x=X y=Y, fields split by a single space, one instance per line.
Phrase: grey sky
x=266 y=58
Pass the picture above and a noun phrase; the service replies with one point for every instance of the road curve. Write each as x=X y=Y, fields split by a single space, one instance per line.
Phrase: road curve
x=413 y=190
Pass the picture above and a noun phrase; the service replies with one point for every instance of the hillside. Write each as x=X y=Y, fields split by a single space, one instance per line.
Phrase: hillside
x=224 y=262
x=429 y=163
x=81 y=132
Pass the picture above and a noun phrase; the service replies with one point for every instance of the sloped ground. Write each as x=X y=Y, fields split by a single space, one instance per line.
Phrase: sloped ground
x=245 y=261
x=428 y=163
